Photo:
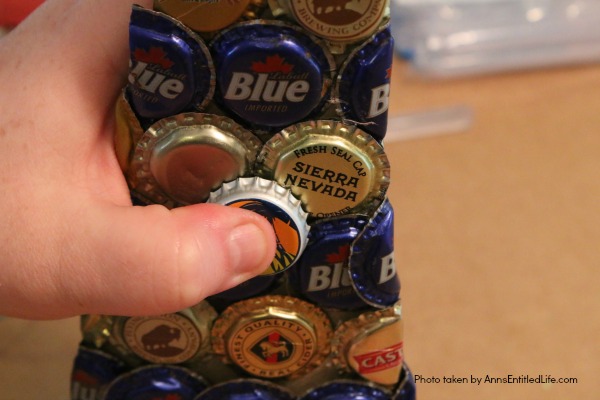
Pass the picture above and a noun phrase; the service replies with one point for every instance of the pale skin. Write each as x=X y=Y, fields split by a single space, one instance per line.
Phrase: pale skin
x=70 y=241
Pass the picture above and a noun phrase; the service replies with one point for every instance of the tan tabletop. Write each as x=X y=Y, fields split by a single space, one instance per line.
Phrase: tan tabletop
x=496 y=231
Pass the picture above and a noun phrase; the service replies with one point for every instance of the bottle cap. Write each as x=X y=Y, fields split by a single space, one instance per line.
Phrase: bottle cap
x=372 y=268
x=406 y=389
x=363 y=84
x=338 y=21
x=271 y=74
x=180 y=159
x=174 y=338
x=221 y=13
x=281 y=209
x=95 y=329
x=246 y=389
x=371 y=345
x=171 y=70
x=344 y=389
x=250 y=288
x=139 y=200
x=156 y=382
x=273 y=336
x=127 y=132
x=322 y=274
x=92 y=369
x=334 y=168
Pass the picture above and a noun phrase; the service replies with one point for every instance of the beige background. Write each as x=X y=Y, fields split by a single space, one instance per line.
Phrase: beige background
x=497 y=231
x=497 y=234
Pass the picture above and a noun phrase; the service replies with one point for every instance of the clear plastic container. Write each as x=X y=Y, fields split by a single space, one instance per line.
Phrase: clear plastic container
x=465 y=37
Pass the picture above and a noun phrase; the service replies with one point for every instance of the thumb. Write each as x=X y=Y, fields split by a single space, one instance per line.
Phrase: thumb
x=150 y=260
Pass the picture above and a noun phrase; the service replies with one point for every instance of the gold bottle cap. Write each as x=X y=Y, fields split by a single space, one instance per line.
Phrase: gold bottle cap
x=128 y=131
x=338 y=21
x=273 y=336
x=332 y=167
x=96 y=329
x=371 y=346
x=279 y=206
x=180 y=159
x=165 y=339
x=209 y=15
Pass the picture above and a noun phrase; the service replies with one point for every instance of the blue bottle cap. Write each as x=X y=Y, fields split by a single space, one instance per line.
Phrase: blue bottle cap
x=271 y=74
x=322 y=274
x=92 y=370
x=347 y=390
x=170 y=67
x=246 y=389
x=372 y=266
x=363 y=84
x=156 y=382
x=249 y=288
x=407 y=389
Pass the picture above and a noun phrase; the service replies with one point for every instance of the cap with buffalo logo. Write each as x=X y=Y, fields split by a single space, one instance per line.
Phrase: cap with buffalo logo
x=270 y=74
x=209 y=15
x=92 y=370
x=333 y=167
x=180 y=159
x=279 y=206
x=171 y=70
x=340 y=22
x=156 y=382
x=176 y=338
x=322 y=275
x=371 y=345
x=362 y=86
x=246 y=389
x=273 y=337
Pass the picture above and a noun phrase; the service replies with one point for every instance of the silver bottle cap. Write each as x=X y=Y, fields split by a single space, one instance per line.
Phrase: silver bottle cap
x=279 y=206
x=180 y=159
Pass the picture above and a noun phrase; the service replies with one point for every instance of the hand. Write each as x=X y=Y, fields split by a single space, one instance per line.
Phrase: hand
x=14 y=11
x=70 y=241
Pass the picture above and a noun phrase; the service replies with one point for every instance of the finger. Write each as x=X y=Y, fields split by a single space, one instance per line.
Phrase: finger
x=148 y=260
x=137 y=261
x=14 y=11
x=102 y=51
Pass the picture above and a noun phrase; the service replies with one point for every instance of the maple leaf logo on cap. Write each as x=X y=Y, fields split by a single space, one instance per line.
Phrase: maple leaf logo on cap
x=341 y=256
x=274 y=63
x=85 y=378
x=388 y=73
x=155 y=55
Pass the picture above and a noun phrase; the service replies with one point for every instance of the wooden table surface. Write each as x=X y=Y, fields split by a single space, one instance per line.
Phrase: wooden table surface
x=496 y=233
